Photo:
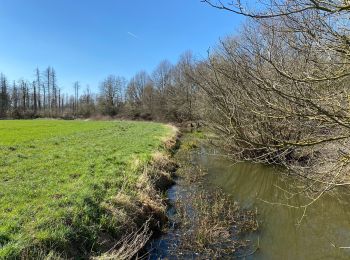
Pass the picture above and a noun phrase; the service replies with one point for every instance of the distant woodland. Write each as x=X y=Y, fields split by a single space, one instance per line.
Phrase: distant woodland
x=167 y=94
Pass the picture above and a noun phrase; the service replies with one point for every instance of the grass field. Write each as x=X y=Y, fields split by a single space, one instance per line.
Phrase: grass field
x=54 y=176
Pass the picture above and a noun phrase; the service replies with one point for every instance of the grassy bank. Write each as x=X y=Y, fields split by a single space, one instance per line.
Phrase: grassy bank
x=61 y=183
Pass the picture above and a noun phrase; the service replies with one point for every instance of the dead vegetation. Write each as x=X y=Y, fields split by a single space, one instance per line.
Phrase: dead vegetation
x=209 y=225
x=129 y=246
x=213 y=224
x=144 y=214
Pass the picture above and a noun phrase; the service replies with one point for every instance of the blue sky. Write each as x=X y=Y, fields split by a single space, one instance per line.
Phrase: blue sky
x=86 y=40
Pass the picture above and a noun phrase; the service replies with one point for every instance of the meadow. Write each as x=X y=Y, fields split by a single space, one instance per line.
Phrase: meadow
x=55 y=176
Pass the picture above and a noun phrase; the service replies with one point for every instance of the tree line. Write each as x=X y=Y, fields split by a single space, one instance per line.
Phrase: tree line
x=167 y=94
x=24 y=98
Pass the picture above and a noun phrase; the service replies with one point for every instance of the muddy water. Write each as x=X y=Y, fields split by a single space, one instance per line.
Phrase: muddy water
x=327 y=221
x=325 y=227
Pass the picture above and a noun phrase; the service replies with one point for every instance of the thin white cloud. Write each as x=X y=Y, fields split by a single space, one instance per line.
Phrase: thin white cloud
x=133 y=35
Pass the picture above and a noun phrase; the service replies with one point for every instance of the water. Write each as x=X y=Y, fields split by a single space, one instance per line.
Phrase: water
x=327 y=221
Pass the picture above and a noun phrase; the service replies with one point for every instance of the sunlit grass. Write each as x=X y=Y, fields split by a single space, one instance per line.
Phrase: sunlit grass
x=54 y=176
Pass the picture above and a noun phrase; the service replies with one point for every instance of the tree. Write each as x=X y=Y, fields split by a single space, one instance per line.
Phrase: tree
x=279 y=92
x=38 y=85
x=161 y=76
x=138 y=90
x=162 y=79
x=54 y=91
x=87 y=104
x=4 y=96
x=110 y=97
x=76 y=97
x=182 y=93
x=47 y=76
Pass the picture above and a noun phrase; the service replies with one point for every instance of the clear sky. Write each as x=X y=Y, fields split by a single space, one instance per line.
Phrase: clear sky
x=86 y=40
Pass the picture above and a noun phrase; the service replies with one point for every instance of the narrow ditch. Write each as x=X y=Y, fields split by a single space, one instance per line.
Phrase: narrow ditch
x=204 y=223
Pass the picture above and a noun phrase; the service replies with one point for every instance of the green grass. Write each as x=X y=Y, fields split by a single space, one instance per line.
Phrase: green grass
x=54 y=176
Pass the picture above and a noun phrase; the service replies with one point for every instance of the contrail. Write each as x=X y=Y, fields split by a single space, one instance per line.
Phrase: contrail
x=133 y=35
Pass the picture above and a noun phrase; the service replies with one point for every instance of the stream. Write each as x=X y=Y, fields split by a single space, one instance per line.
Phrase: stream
x=325 y=227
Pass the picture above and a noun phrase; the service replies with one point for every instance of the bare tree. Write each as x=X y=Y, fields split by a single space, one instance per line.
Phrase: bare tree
x=76 y=87
x=140 y=94
x=4 y=96
x=110 y=95
x=87 y=104
x=54 y=91
x=279 y=92
x=47 y=76
x=39 y=87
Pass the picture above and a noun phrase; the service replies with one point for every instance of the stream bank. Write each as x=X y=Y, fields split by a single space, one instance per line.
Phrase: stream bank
x=204 y=222
x=323 y=233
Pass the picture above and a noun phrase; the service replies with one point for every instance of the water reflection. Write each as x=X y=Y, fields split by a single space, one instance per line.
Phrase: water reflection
x=327 y=221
